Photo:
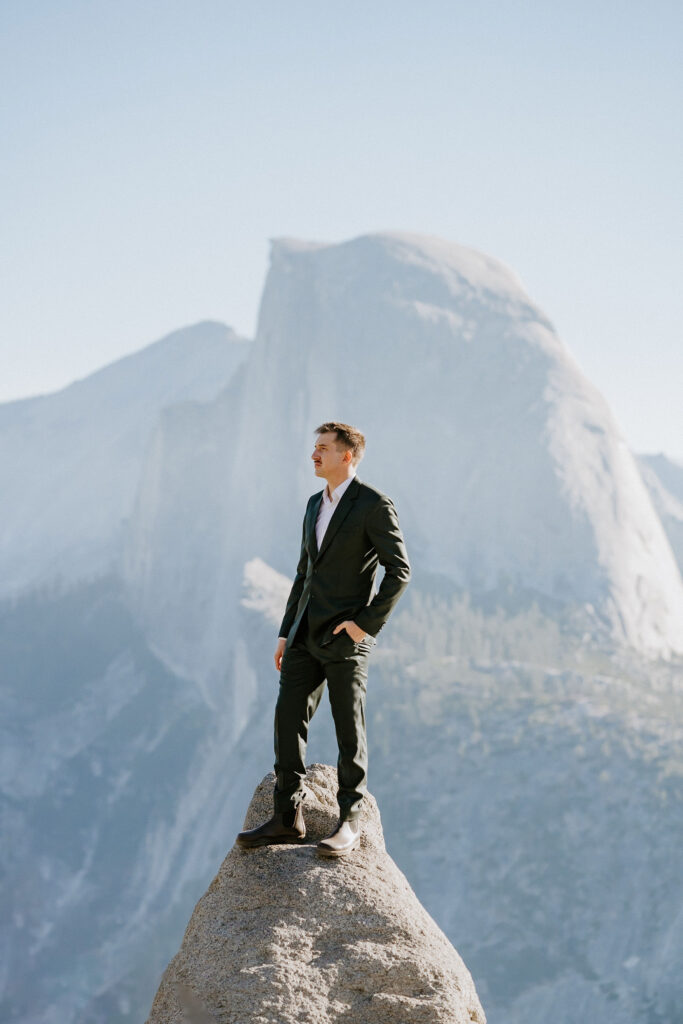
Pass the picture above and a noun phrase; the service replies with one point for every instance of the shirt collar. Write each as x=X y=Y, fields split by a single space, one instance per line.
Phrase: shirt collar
x=338 y=491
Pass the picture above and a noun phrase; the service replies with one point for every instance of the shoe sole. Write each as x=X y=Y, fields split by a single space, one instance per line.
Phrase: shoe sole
x=269 y=841
x=324 y=851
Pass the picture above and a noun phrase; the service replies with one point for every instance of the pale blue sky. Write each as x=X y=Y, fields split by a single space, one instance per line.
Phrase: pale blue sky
x=151 y=149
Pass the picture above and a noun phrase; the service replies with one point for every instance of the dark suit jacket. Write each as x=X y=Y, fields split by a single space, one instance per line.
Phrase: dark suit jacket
x=336 y=583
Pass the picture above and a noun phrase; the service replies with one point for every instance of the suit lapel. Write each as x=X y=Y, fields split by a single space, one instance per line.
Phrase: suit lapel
x=338 y=516
x=312 y=517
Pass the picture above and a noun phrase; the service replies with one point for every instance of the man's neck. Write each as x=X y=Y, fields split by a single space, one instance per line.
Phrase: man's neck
x=333 y=482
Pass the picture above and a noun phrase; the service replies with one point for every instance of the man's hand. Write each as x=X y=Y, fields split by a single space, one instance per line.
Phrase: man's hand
x=279 y=651
x=354 y=631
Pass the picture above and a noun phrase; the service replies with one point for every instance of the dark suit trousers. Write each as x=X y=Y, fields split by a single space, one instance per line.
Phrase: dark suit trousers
x=306 y=668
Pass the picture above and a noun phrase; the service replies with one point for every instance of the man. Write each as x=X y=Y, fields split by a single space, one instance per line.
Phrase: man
x=328 y=630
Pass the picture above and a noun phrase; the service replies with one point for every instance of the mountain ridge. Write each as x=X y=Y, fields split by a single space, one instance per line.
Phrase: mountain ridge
x=70 y=461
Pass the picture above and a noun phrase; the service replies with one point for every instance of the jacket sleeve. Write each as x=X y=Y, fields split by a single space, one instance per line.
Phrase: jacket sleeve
x=297 y=585
x=385 y=533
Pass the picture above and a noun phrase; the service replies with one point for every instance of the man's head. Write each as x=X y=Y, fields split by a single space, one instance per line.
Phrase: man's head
x=338 y=449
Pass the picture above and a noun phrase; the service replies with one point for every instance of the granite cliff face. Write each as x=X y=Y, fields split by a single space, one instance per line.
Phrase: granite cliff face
x=664 y=479
x=70 y=462
x=507 y=467
x=283 y=937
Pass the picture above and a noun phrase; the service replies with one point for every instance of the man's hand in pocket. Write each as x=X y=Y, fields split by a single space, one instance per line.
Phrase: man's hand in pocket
x=355 y=632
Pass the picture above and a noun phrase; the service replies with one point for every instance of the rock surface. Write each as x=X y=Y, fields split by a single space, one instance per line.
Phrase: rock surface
x=664 y=480
x=282 y=935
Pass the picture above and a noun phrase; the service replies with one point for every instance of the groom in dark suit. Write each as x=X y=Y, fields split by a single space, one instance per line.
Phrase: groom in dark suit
x=327 y=633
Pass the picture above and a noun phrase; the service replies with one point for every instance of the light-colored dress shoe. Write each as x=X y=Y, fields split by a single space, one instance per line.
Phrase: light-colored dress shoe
x=345 y=838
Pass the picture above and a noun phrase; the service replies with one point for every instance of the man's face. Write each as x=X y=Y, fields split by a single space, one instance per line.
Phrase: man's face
x=328 y=457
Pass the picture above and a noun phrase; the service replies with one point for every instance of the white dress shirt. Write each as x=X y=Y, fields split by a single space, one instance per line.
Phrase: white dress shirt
x=327 y=507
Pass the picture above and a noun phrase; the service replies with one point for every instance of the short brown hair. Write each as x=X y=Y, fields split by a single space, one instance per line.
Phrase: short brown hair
x=348 y=437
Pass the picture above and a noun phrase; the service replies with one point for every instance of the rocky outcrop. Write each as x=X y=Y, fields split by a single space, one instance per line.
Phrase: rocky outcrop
x=282 y=936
